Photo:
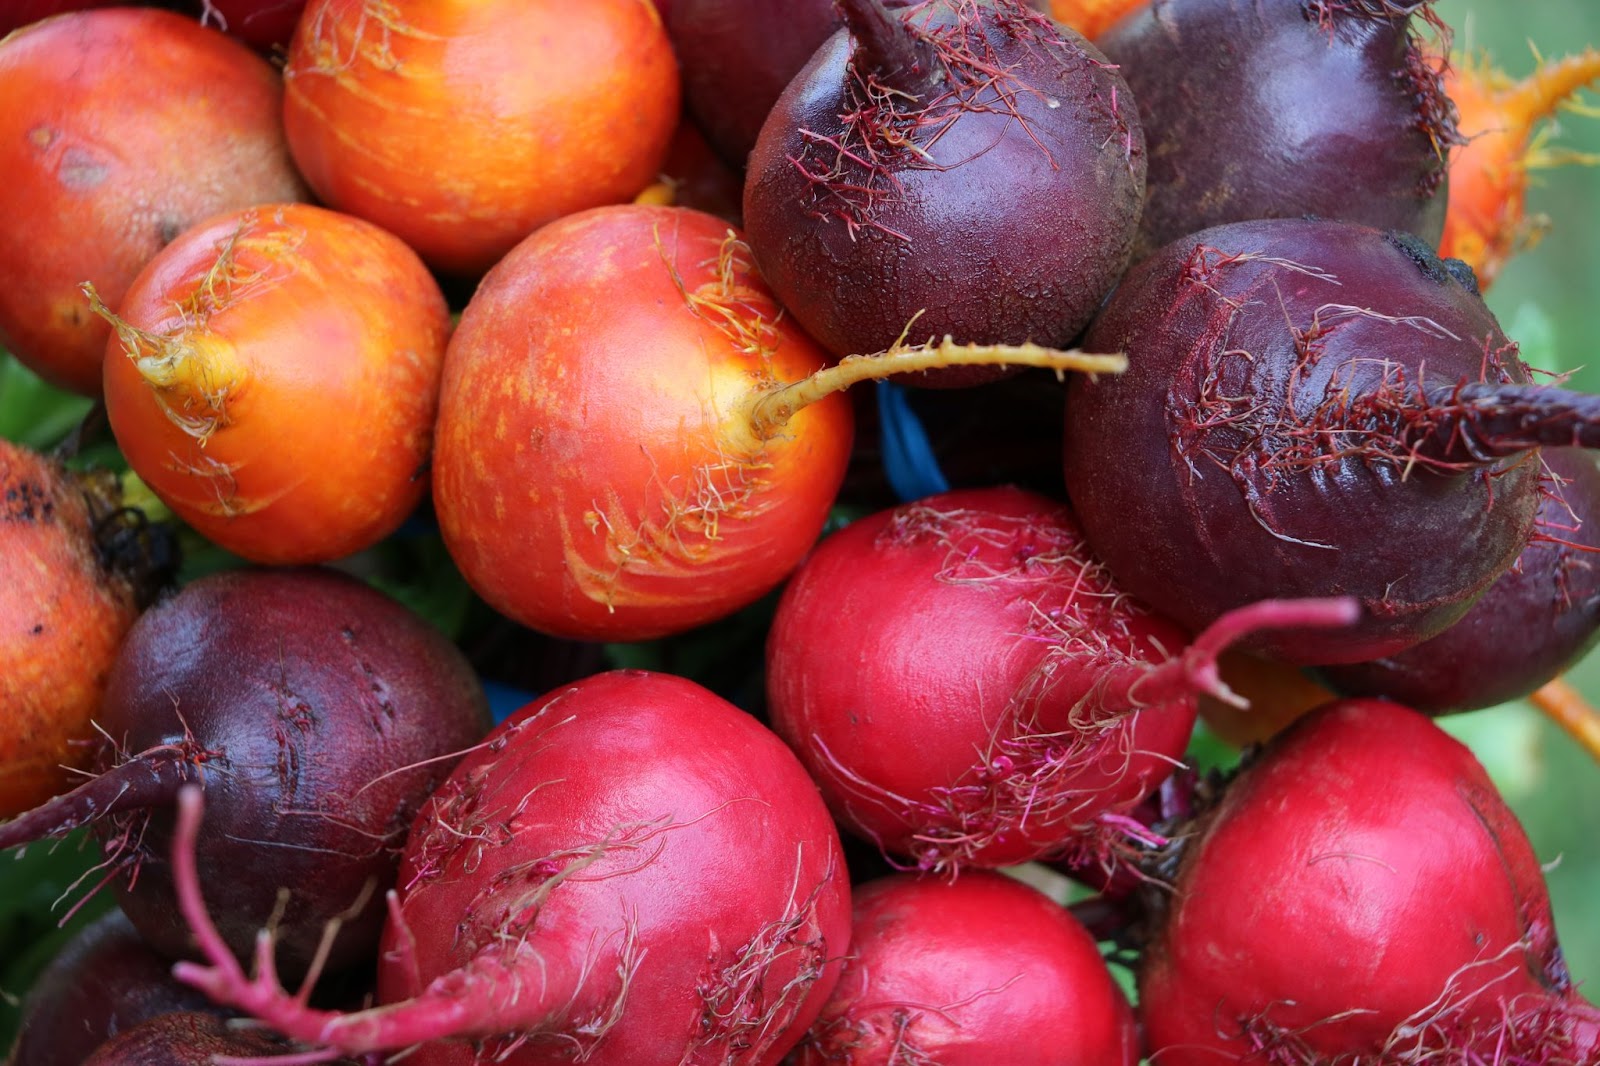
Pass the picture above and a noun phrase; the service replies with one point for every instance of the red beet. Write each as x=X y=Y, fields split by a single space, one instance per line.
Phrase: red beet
x=1312 y=408
x=267 y=25
x=106 y=980
x=631 y=871
x=1283 y=108
x=322 y=711
x=969 y=686
x=1538 y=618
x=1361 y=894
x=958 y=168
x=977 y=972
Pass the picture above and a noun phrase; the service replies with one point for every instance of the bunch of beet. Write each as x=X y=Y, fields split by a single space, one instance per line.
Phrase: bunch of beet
x=590 y=375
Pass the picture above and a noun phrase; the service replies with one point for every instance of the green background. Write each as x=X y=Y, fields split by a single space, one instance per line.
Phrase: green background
x=1545 y=299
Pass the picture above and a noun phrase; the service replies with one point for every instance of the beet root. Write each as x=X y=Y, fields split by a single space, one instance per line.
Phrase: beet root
x=322 y=710
x=1311 y=408
x=104 y=981
x=1330 y=908
x=974 y=972
x=1300 y=107
x=975 y=630
x=956 y=168
x=1538 y=618
x=191 y=1038
x=631 y=870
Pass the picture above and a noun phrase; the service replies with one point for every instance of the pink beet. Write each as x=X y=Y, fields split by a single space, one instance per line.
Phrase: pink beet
x=976 y=972
x=1361 y=894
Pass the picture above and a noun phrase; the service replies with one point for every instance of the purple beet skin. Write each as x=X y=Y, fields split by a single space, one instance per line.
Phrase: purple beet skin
x=1312 y=408
x=193 y=1038
x=953 y=168
x=318 y=711
x=106 y=980
x=1541 y=616
x=1283 y=108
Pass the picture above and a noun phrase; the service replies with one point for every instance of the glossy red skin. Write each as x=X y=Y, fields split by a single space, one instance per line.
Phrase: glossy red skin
x=1538 y=618
x=122 y=129
x=974 y=972
x=1007 y=239
x=722 y=838
x=1343 y=879
x=104 y=981
x=293 y=691
x=467 y=124
x=586 y=399
x=1285 y=117
x=900 y=668
x=267 y=25
x=1148 y=469
x=737 y=57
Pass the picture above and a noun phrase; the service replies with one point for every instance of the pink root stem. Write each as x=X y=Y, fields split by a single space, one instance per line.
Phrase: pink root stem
x=1195 y=668
x=489 y=996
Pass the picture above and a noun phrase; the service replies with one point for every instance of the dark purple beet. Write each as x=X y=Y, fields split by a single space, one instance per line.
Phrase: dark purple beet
x=1536 y=620
x=1284 y=108
x=974 y=167
x=737 y=56
x=1311 y=409
x=191 y=1038
x=106 y=979
x=306 y=703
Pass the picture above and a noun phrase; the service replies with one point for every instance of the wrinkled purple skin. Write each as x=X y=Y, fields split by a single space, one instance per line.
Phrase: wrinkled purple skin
x=1539 y=618
x=106 y=980
x=1180 y=468
x=190 y=1038
x=737 y=56
x=1251 y=109
x=297 y=690
x=1014 y=233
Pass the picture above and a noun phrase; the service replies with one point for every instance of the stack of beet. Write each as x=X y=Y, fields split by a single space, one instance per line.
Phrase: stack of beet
x=413 y=275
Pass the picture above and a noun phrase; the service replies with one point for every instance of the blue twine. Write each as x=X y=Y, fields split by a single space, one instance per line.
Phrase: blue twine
x=908 y=459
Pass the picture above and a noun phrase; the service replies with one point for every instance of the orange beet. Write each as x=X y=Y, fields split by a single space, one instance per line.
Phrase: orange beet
x=274 y=379
x=1487 y=222
x=462 y=125
x=121 y=129
x=63 y=614
x=1278 y=694
x=596 y=474
x=1091 y=17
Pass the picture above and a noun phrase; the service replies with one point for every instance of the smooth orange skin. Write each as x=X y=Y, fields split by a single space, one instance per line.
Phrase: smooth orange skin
x=589 y=415
x=121 y=129
x=462 y=125
x=1092 y=17
x=62 y=618
x=335 y=348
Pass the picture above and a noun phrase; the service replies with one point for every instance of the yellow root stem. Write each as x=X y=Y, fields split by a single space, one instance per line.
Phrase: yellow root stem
x=1537 y=96
x=1565 y=706
x=770 y=410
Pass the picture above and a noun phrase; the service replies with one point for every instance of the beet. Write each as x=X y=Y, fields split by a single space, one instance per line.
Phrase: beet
x=321 y=712
x=958 y=168
x=631 y=870
x=1298 y=107
x=105 y=980
x=1538 y=618
x=190 y=1038
x=1360 y=894
x=737 y=56
x=975 y=972
x=970 y=687
x=1311 y=408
